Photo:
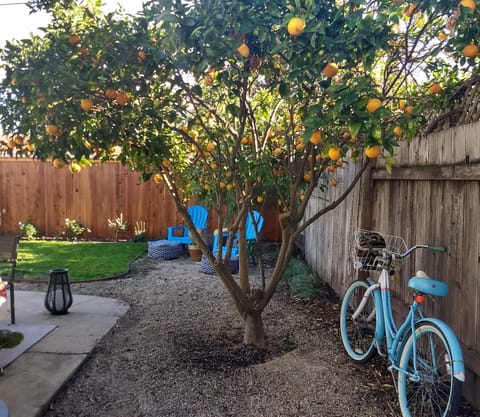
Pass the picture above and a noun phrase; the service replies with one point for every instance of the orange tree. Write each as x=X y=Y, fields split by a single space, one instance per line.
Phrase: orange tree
x=237 y=103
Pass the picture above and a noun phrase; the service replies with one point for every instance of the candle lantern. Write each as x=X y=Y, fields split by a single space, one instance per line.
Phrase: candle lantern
x=59 y=296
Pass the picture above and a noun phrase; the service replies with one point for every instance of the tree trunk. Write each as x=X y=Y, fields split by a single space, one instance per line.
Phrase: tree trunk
x=254 y=331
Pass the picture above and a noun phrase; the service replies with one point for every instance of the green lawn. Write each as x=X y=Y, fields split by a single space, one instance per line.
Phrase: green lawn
x=84 y=260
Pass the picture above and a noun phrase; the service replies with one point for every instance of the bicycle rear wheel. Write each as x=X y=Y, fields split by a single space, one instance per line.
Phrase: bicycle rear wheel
x=358 y=335
x=432 y=391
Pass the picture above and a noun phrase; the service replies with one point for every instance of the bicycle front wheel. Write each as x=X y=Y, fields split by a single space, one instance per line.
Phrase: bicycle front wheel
x=358 y=335
x=426 y=385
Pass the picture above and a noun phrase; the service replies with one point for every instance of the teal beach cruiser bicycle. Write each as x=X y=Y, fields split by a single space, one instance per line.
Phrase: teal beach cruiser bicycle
x=423 y=353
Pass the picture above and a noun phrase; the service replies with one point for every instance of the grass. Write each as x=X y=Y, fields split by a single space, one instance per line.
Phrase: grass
x=84 y=260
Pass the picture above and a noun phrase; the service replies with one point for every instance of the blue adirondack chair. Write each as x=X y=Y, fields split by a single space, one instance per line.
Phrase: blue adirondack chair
x=249 y=235
x=181 y=234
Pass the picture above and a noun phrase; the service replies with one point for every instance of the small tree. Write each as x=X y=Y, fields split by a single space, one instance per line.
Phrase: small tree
x=238 y=103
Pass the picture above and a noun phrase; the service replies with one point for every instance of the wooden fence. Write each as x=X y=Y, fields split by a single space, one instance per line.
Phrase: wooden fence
x=432 y=196
x=36 y=191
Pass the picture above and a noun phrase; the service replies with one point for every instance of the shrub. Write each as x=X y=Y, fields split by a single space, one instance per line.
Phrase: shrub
x=301 y=279
x=73 y=228
x=28 y=230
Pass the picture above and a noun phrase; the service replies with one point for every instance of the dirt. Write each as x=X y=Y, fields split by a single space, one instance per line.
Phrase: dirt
x=178 y=352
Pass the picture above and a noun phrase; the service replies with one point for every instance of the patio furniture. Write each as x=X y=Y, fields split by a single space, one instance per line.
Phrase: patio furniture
x=164 y=249
x=8 y=255
x=254 y=220
x=207 y=268
x=181 y=234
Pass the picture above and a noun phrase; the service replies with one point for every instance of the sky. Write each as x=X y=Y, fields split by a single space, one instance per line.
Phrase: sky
x=17 y=23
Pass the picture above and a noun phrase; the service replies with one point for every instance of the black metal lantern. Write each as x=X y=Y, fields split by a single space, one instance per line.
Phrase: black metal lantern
x=59 y=296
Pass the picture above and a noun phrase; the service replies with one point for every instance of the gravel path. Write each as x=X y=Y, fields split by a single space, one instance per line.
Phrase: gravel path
x=177 y=353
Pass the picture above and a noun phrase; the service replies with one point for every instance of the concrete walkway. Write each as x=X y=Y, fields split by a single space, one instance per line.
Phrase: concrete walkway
x=31 y=381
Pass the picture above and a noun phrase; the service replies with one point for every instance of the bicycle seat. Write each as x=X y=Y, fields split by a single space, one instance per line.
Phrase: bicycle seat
x=428 y=286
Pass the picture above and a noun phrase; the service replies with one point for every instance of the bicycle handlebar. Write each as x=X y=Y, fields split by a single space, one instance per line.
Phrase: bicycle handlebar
x=434 y=248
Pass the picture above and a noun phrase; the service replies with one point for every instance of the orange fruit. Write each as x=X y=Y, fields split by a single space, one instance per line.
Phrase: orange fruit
x=373 y=105
x=210 y=147
x=411 y=9
x=141 y=55
x=11 y=144
x=244 y=141
x=435 y=88
x=296 y=26
x=308 y=176
x=30 y=147
x=122 y=97
x=157 y=178
x=86 y=104
x=442 y=36
x=398 y=131
x=260 y=199
x=330 y=70
x=111 y=93
x=278 y=151
x=334 y=153
x=468 y=3
x=18 y=139
x=229 y=187
x=166 y=163
x=401 y=104
x=409 y=110
x=244 y=50
x=316 y=137
x=58 y=163
x=52 y=130
x=74 y=39
x=299 y=147
x=372 y=151
x=470 y=51
x=221 y=185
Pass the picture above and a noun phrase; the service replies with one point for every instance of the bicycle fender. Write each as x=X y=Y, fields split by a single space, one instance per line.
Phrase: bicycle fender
x=457 y=355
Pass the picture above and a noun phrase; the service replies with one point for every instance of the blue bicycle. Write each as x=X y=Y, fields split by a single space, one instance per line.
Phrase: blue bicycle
x=423 y=351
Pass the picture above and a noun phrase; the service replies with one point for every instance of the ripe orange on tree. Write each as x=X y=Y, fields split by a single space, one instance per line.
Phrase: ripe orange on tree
x=244 y=50
x=157 y=178
x=372 y=152
x=411 y=9
x=111 y=93
x=330 y=70
x=122 y=97
x=398 y=131
x=373 y=105
x=52 y=130
x=402 y=104
x=74 y=39
x=86 y=104
x=58 y=163
x=334 y=153
x=409 y=110
x=296 y=26
x=260 y=199
x=435 y=88
x=316 y=137
x=142 y=56
x=166 y=163
x=210 y=147
x=308 y=176
x=468 y=3
x=470 y=51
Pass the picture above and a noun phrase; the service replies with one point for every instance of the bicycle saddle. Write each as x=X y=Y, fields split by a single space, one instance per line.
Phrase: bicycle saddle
x=425 y=285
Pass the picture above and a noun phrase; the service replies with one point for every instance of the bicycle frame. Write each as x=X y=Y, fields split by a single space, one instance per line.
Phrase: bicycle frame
x=386 y=327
